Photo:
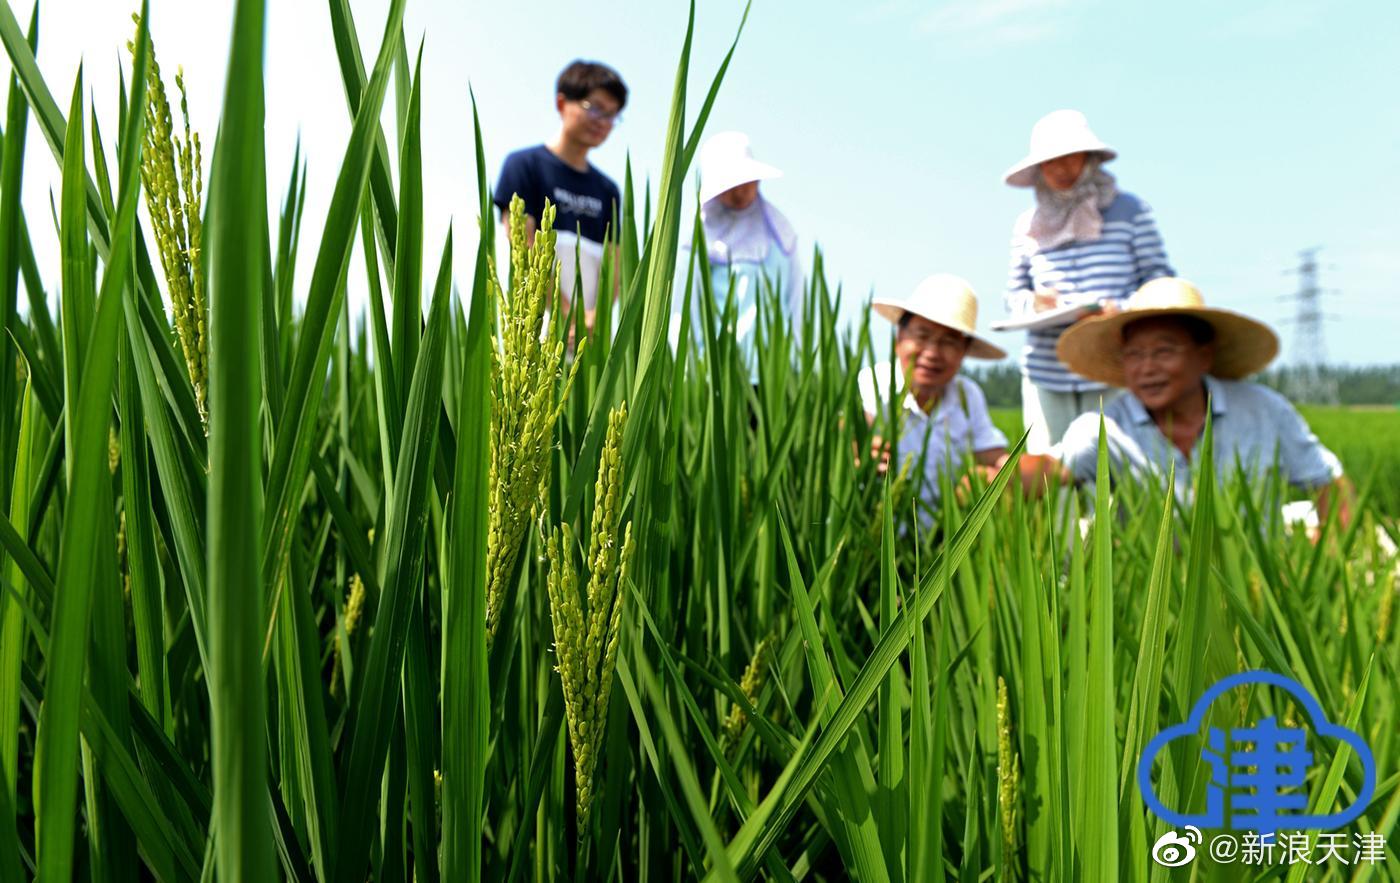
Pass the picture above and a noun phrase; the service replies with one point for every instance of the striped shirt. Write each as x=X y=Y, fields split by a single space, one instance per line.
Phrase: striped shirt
x=1128 y=253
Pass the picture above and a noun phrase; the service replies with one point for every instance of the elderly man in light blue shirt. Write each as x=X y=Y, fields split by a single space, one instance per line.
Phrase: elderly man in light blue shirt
x=1182 y=361
x=1251 y=423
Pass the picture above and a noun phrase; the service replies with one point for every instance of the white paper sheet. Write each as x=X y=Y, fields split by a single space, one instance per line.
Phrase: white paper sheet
x=1047 y=319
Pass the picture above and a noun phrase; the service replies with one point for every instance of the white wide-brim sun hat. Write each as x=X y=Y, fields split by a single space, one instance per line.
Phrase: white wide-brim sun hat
x=949 y=301
x=726 y=161
x=1056 y=134
x=1093 y=348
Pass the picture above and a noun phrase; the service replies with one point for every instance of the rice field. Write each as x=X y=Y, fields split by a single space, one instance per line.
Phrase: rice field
x=291 y=594
x=1365 y=438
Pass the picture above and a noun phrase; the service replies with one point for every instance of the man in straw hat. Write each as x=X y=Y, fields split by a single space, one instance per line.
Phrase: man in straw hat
x=944 y=414
x=749 y=242
x=1085 y=243
x=1178 y=357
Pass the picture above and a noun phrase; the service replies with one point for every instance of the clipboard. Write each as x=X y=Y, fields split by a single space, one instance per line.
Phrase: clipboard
x=1056 y=318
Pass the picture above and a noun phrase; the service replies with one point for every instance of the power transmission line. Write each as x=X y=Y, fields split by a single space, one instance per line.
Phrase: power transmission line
x=1311 y=382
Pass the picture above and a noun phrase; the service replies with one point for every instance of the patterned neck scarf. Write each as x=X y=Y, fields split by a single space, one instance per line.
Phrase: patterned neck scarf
x=1072 y=215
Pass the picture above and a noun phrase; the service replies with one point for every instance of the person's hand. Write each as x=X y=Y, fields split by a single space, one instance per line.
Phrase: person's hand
x=1339 y=495
x=879 y=451
x=1108 y=308
x=1046 y=299
x=1037 y=469
x=965 y=490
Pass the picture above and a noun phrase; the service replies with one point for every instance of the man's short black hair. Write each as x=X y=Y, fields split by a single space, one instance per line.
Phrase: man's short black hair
x=1200 y=331
x=581 y=77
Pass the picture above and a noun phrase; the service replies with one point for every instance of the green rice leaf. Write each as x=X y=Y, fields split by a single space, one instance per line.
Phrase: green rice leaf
x=358 y=91
x=50 y=119
x=886 y=651
x=89 y=396
x=1098 y=828
x=235 y=229
x=401 y=572
x=14 y=638
x=466 y=701
x=408 y=252
x=324 y=300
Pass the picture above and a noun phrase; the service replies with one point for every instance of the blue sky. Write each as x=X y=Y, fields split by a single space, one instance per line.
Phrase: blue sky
x=1254 y=129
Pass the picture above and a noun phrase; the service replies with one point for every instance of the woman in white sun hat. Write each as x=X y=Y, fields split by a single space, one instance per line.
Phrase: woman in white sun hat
x=943 y=415
x=749 y=242
x=1083 y=243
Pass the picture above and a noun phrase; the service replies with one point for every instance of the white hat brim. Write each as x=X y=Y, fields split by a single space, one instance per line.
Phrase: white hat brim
x=1023 y=173
x=739 y=171
x=980 y=347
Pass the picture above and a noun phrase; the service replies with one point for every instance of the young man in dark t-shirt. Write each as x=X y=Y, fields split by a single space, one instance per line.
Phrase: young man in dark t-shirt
x=589 y=97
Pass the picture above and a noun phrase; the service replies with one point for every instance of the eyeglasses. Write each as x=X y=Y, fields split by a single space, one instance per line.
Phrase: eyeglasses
x=1161 y=355
x=946 y=343
x=597 y=113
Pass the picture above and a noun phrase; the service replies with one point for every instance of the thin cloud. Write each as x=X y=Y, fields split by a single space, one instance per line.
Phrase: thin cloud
x=998 y=22
x=1272 y=21
x=883 y=10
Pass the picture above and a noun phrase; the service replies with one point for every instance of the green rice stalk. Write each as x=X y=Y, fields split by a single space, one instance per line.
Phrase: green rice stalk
x=1386 y=610
x=114 y=450
x=585 y=640
x=173 y=179
x=525 y=369
x=755 y=676
x=354 y=608
x=1008 y=776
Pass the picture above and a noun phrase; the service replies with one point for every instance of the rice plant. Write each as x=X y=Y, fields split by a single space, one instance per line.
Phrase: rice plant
x=426 y=597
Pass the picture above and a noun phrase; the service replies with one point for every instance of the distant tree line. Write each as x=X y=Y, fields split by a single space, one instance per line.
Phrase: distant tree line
x=1368 y=385
x=1001 y=381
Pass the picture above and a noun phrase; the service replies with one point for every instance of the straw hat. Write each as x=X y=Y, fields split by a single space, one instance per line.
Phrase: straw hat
x=948 y=300
x=1092 y=348
x=1058 y=133
x=726 y=161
